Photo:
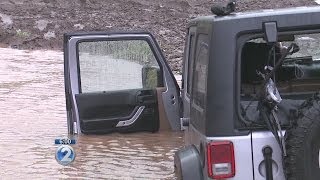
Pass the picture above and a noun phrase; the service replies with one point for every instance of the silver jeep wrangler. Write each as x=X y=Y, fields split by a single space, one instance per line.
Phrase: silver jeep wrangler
x=248 y=102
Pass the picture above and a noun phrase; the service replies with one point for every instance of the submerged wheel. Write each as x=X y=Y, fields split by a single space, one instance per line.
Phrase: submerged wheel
x=303 y=143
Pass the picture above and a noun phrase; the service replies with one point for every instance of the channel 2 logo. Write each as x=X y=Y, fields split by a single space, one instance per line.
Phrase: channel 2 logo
x=65 y=154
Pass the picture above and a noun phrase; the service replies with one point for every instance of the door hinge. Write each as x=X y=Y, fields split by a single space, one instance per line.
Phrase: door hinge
x=184 y=121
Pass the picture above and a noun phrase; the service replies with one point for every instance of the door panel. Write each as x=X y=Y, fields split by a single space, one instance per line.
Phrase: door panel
x=112 y=80
x=106 y=105
x=118 y=111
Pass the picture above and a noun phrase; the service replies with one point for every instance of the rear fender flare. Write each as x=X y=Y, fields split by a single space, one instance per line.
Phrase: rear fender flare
x=187 y=163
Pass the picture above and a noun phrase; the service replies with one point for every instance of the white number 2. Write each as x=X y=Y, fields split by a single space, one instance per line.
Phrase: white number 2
x=66 y=158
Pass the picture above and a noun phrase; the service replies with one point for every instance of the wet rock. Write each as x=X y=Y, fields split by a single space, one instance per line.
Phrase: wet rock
x=78 y=26
x=49 y=35
x=6 y=20
x=42 y=24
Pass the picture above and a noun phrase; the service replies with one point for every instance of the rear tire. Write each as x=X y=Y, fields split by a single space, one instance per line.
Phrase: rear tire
x=303 y=143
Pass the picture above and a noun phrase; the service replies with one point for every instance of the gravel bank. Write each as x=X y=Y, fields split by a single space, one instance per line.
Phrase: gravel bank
x=40 y=24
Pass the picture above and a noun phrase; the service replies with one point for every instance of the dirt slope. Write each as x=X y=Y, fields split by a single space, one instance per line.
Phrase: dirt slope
x=36 y=24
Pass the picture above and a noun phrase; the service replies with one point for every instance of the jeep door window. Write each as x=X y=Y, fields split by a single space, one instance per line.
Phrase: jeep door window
x=199 y=85
x=296 y=79
x=116 y=65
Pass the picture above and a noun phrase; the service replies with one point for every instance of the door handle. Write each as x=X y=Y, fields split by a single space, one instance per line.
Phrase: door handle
x=146 y=97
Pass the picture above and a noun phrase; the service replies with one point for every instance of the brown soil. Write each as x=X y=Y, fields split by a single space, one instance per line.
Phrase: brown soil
x=37 y=24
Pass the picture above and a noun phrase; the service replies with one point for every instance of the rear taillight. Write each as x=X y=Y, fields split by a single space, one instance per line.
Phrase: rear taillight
x=220 y=159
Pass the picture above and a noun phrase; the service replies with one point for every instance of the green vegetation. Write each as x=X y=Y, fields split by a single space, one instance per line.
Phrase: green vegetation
x=22 y=34
x=150 y=79
x=138 y=51
x=132 y=50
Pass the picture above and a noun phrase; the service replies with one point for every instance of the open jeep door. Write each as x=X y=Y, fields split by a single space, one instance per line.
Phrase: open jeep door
x=118 y=82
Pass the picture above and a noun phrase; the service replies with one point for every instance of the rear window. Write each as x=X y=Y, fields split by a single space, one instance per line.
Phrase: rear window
x=199 y=85
x=299 y=73
x=190 y=63
x=200 y=72
x=296 y=79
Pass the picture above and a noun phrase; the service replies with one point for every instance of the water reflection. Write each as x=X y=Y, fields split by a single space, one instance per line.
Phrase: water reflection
x=33 y=115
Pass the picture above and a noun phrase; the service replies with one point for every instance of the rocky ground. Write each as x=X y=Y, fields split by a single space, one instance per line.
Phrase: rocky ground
x=40 y=24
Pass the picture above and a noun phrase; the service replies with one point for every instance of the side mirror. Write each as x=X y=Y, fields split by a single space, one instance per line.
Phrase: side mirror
x=151 y=77
x=271 y=32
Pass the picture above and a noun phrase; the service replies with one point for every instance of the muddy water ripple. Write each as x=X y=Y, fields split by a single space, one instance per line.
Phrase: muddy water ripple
x=32 y=114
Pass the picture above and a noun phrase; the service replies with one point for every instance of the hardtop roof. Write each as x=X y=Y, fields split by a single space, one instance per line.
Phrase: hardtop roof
x=260 y=15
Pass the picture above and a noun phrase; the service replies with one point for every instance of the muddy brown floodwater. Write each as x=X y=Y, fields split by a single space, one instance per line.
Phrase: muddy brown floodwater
x=33 y=114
